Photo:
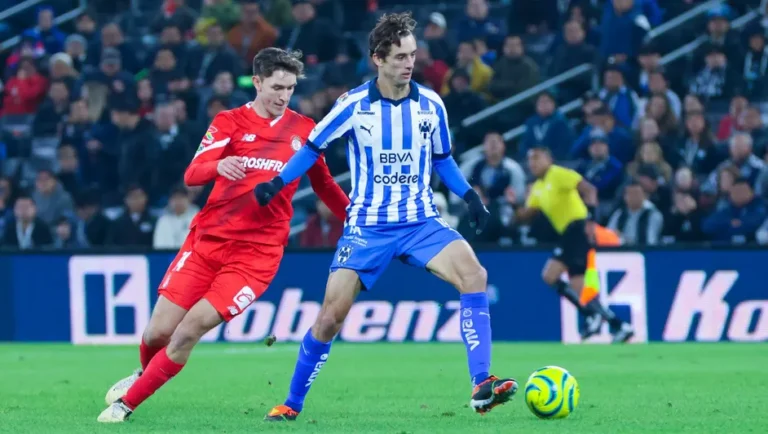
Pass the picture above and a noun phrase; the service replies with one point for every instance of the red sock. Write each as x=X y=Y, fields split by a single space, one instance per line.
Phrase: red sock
x=158 y=372
x=146 y=353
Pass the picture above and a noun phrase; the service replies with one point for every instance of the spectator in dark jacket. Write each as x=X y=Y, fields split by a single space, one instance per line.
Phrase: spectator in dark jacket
x=738 y=222
x=323 y=228
x=175 y=151
x=47 y=32
x=112 y=73
x=514 y=72
x=741 y=156
x=548 y=127
x=51 y=200
x=574 y=52
x=112 y=37
x=623 y=28
x=175 y=11
x=214 y=58
x=434 y=34
x=138 y=146
x=683 y=224
x=755 y=67
x=91 y=227
x=63 y=237
x=719 y=79
x=69 y=174
x=697 y=148
x=49 y=117
x=461 y=101
x=495 y=172
x=478 y=24
x=316 y=37
x=620 y=99
x=136 y=226
x=638 y=221
x=602 y=170
x=719 y=34
x=26 y=230
x=619 y=140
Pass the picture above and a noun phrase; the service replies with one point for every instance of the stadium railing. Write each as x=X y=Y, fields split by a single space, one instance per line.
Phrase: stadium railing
x=25 y=5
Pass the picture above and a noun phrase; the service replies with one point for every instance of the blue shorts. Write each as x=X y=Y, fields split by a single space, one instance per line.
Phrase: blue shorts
x=368 y=250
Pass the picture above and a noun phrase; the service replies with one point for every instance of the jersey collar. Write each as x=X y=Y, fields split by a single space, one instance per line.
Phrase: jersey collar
x=374 y=94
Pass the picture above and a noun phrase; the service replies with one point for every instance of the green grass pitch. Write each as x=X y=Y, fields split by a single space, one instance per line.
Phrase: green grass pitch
x=392 y=388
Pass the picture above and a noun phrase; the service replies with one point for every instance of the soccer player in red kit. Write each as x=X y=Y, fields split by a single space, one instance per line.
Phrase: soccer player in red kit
x=234 y=246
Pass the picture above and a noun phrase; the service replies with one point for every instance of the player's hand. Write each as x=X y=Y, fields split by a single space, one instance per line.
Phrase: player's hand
x=267 y=190
x=478 y=213
x=231 y=168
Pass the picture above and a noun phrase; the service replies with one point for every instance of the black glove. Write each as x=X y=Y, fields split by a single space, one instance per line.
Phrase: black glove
x=478 y=213
x=267 y=190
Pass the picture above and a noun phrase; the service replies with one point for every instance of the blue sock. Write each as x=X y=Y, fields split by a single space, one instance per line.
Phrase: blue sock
x=476 y=333
x=312 y=356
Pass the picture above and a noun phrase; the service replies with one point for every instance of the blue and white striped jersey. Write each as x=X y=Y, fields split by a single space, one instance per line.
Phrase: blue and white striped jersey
x=390 y=145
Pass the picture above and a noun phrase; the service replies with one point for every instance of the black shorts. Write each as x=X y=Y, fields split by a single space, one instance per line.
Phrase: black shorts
x=573 y=248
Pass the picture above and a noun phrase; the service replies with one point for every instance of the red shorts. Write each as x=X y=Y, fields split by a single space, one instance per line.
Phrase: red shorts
x=230 y=274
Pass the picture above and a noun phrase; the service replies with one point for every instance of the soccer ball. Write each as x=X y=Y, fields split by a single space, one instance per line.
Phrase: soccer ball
x=551 y=393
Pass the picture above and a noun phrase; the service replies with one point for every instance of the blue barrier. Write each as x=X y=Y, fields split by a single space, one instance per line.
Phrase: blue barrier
x=669 y=295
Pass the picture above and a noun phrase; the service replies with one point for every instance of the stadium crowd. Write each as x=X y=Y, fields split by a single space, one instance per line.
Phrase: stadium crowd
x=100 y=119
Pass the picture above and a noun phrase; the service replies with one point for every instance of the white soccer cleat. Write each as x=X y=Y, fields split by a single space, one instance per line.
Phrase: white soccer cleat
x=121 y=387
x=117 y=412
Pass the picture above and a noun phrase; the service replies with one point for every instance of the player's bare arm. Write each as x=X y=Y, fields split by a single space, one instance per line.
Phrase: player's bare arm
x=526 y=214
x=588 y=192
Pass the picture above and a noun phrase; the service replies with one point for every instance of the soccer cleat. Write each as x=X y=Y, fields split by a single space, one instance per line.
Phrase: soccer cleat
x=281 y=413
x=592 y=326
x=116 y=412
x=623 y=334
x=492 y=392
x=121 y=387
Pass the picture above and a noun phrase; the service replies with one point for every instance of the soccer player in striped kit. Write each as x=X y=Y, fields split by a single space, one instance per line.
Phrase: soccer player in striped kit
x=396 y=132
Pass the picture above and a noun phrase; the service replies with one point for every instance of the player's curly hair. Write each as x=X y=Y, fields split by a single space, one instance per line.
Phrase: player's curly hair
x=272 y=59
x=388 y=31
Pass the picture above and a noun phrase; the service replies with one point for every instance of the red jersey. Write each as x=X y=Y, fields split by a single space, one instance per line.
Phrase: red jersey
x=265 y=146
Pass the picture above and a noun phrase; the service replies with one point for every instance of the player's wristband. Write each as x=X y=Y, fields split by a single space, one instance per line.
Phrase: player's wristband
x=472 y=196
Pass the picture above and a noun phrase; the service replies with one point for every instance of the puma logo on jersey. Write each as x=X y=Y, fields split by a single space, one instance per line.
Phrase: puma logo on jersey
x=263 y=164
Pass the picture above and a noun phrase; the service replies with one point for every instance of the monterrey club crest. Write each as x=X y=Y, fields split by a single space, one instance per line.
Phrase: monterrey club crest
x=296 y=143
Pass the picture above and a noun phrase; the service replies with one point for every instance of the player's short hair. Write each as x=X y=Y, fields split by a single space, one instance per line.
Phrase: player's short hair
x=272 y=59
x=543 y=149
x=390 y=29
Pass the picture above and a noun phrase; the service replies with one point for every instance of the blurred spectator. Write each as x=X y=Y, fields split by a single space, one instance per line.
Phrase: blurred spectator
x=547 y=127
x=649 y=58
x=63 y=237
x=176 y=146
x=433 y=70
x=112 y=37
x=683 y=224
x=649 y=132
x=175 y=11
x=574 y=52
x=85 y=26
x=514 y=72
x=637 y=221
x=138 y=146
x=69 y=170
x=111 y=73
x=91 y=228
x=461 y=101
x=173 y=225
x=755 y=66
x=602 y=170
x=487 y=55
x=650 y=153
x=60 y=68
x=166 y=76
x=26 y=230
x=480 y=74
x=659 y=85
x=726 y=177
x=223 y=87
x=619 y=98
x=602 y=122
x=76 y=47
x=693 y=103
x=685 y=182
x=739 y=221
x=49 y=117
x=317 y=39
x=146 y=96
x=323 y=228
x=279 y=12
x=718 y=80
x=51 y=200
x=214 y=58
x=733 y=121
x=47 y=32
x=135 y=227
x=496 y=172
x=478 y=24
x=720 y=35
x=24 y=92
x=655 y=187
x=225 y=13
x=749 y=165
x=753 y=125
x=30 y=47
x=434 y=34
x=172 y=38
x=659 y=109
x=697 y=149
x=623 y=28
x=76 y=126
x=252 y=34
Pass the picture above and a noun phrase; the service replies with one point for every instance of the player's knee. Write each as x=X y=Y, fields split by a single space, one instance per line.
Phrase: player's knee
x=474 y=280
x=328 y=323
x=156 y=337
x=186 y=335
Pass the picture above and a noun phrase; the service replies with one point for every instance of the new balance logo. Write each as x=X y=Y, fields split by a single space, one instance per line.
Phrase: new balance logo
x=249 y=137
x=316 y=371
